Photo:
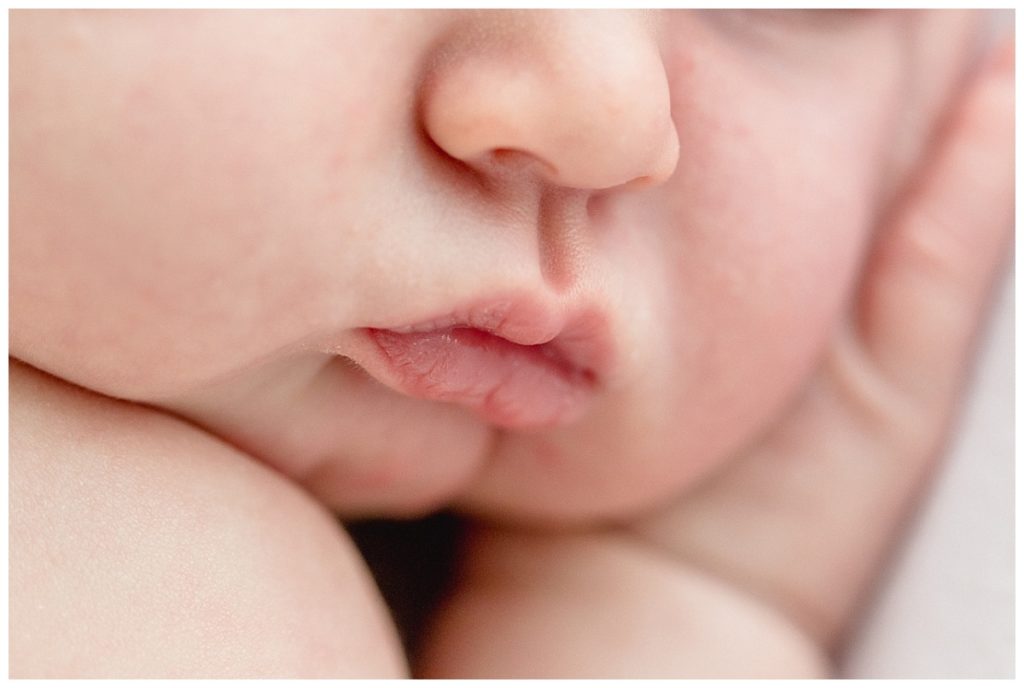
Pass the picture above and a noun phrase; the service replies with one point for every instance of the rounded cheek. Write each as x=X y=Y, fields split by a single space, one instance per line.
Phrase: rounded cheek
x=207 y=216
x=757 y=294
x=760 y=330
x=758 y=284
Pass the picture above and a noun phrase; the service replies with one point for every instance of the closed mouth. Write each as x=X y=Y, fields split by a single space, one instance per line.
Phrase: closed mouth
x=514 y=364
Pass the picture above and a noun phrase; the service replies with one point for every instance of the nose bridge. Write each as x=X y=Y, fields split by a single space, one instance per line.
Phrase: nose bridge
x=582 y=95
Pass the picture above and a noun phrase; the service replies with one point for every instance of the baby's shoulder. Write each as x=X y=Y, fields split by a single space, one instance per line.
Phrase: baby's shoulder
x=50 y=417
x=77 y=446
x=64 y=436
x=131 y=528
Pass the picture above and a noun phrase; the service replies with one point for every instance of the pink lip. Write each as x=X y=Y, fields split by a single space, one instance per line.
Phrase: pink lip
x=515 y=363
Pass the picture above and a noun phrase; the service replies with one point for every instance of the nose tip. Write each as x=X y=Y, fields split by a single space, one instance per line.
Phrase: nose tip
x=578 y=100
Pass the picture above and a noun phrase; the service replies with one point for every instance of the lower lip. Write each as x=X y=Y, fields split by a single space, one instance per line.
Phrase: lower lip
x=510 y=385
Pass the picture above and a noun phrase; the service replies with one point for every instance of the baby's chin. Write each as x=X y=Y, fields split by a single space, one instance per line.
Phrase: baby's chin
x=365 y=450
x=623 y=458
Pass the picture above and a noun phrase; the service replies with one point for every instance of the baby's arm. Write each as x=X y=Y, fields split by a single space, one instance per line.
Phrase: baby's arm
x=791 y=535
x=604 y=605
x=142 y=547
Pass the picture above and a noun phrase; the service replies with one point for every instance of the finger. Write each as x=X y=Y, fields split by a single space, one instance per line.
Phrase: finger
x=927 y=280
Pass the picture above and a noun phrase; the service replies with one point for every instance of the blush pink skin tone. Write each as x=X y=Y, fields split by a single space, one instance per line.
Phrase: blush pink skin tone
x=294 y=230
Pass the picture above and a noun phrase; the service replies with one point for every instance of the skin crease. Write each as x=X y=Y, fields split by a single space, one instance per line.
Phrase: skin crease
x=222 y=232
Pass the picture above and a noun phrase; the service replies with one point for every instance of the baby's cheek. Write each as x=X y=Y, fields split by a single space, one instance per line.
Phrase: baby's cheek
x=212 y=191
x=761 y=302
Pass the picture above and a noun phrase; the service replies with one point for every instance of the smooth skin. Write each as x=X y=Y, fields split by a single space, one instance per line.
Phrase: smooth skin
x=726 y=534
x=142 y=547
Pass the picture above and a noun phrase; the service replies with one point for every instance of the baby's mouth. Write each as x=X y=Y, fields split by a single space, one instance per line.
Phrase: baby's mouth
x=515 y=372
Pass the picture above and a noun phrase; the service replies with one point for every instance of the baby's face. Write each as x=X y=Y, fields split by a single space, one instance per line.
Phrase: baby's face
x=621 y=238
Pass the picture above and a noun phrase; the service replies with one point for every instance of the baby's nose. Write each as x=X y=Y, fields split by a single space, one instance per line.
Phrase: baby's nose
x=581 y=95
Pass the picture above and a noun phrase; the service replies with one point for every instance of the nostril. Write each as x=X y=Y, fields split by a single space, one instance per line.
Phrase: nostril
x=505 y=155
x=517 y=161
